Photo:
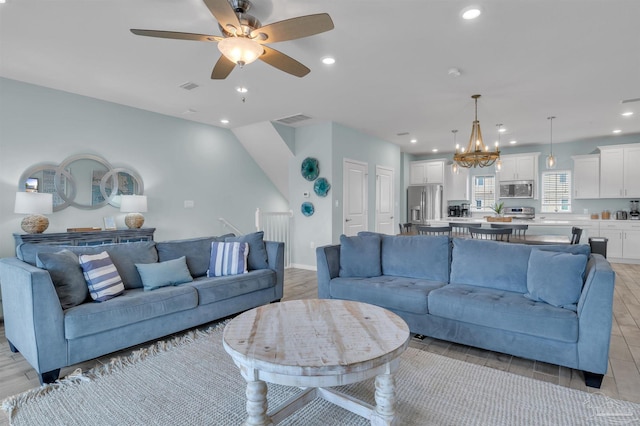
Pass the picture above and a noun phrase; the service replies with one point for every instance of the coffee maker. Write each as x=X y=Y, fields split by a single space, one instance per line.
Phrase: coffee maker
x=454 y=211
x=465 y=211
x=634 y=213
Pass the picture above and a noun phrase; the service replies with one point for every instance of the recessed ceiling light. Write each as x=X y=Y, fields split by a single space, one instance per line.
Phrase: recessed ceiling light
x=627 y=114
x=617 y=131
x=328 y=60
x=434 y=150
x=513 y=142
x=242 y=89
x=224 y=121
x=471 y=12
x=413 y=140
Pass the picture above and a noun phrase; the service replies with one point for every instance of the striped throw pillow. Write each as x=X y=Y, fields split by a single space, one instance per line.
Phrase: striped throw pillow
x=101 y=276
x=228 y=259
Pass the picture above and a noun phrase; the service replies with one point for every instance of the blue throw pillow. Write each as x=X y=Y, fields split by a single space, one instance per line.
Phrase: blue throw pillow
x=228 y=259
x=555 y=277
x=360 y=256
x=66 y=274
x=101 y=276
x=162 y=274
x=257 y=251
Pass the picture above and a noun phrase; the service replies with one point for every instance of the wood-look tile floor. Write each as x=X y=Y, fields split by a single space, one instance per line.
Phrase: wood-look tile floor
x=622 y=381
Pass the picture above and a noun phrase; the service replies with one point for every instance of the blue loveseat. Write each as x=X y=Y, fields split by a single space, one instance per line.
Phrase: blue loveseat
x=50 y=336
x=546 y=303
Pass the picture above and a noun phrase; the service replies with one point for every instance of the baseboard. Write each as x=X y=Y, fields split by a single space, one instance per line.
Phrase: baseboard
x=300 y=266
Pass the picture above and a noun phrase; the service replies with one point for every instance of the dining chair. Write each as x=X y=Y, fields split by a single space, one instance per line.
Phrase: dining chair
x=496 y=234
x=576 y=233
x=463 y=227
x=434 y=230
x=519 y=230
x=405 y=228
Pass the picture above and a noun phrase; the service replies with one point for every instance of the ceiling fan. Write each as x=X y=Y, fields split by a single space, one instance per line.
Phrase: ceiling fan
x=244 y=38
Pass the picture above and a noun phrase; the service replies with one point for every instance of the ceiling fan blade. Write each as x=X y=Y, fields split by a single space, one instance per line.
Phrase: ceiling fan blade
x=294 y=28
x=283 y=62
x=176 y=35
x=224 y=13
x=222 y=68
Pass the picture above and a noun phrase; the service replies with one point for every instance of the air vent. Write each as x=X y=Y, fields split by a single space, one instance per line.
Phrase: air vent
x=628 y=101
x=402 y=134
x=188 y=85
x=294 y=119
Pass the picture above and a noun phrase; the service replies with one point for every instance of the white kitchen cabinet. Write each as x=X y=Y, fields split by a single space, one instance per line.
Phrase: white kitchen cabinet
x=619 y=171
x=519 y=167
x=421 y=172
x=586 y=176
x=457 y=184
x=623 y=239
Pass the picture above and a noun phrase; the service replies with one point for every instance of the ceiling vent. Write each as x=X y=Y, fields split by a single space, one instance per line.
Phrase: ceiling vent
x=628 y=101
x=294 y=119
x=188 y=85
x=402 y=134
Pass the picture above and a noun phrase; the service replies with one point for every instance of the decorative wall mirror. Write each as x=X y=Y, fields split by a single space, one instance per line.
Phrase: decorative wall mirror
x=84 y=181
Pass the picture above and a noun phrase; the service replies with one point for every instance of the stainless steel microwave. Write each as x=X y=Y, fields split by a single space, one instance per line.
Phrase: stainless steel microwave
x=516 y=189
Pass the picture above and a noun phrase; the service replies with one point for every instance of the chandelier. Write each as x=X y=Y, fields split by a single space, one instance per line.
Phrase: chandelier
x=476 y=154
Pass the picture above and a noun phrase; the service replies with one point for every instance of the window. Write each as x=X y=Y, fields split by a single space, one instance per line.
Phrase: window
x=484 y=192
x=556 y=191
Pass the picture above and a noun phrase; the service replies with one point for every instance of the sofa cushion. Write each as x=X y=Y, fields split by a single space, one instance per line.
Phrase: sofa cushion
x=398 y=293
x=421 y=256
x=491 y=264
x=196 y=250
x=228 y=259
x=162 y=274
x=133 y=306
x=503 y=310
x=556 y=277
x=67 y=277
x=101 y=275
x=215 y=289
x=257 y=251
x=360 y=256
x=124 y=256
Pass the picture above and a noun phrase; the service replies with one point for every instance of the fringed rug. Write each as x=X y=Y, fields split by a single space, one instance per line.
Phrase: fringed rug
x=190 y=380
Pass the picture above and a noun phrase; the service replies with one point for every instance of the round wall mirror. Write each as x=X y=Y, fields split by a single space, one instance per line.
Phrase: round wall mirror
x=83 y=181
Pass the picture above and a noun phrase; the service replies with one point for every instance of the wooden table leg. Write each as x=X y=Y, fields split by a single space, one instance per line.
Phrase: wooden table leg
x=257 y=404
x=385 y=401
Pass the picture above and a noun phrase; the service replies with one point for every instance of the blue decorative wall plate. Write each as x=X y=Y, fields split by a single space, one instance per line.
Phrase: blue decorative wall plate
x=307 y=208
x=321 y=187
x=310 y=169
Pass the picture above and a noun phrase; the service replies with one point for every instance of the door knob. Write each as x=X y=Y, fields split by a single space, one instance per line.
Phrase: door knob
x=348 y=220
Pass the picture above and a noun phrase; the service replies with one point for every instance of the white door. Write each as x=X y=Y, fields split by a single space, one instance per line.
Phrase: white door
x=355 y=197
x=384 y=201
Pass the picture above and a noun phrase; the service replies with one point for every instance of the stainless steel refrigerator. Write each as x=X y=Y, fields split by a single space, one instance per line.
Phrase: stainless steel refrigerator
x=424 y=203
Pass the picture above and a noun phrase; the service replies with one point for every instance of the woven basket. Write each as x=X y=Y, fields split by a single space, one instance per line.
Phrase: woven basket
x=499 y=219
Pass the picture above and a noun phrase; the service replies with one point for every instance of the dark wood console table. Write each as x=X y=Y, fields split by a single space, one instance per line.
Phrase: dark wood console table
x=87 y=238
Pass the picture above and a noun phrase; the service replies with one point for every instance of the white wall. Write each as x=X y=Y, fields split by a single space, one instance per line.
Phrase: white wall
x=178 y=160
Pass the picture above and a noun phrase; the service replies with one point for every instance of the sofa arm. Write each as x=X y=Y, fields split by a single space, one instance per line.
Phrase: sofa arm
x=275 y=258
x=328 y=266
x=33 y=316
x=595 y=312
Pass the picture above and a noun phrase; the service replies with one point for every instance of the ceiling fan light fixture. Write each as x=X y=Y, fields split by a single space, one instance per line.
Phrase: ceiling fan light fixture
x=240 y=50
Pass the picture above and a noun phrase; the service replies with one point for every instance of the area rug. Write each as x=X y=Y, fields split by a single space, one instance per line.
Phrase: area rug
x=190 y=380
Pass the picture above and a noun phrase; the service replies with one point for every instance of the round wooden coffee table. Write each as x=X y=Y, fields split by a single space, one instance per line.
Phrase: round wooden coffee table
x=315 y=344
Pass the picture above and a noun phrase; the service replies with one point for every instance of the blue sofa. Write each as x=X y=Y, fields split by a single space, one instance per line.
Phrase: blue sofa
x=50 y=336
x=546 y=303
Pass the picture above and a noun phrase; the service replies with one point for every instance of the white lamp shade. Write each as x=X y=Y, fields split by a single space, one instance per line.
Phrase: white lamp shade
x=133 y=204
x=34 y=203
x=240 y=50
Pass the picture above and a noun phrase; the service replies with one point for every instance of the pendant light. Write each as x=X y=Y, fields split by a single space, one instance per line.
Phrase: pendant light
x=551 y=160
x=454 y=167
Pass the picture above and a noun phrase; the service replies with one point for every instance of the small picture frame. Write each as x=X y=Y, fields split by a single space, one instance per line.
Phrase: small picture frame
x=32 y=184
x=109 y=223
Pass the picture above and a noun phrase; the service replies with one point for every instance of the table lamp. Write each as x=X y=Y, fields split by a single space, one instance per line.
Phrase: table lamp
x=35 y=204
x=134 y=205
